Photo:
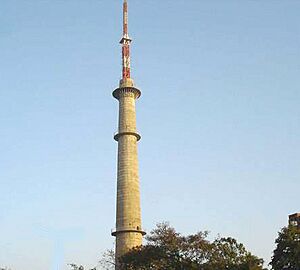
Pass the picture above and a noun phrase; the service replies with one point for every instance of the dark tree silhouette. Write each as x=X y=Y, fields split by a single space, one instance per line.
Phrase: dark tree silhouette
x=167 y=249
x=286 y=256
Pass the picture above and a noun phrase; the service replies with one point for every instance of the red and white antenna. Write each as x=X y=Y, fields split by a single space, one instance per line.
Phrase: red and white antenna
x=125 y=41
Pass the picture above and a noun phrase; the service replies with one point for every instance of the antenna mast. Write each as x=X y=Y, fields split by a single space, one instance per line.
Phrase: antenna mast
x=125 y=41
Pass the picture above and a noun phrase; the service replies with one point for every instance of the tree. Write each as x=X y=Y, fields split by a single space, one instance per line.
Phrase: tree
x=107 y=261
x=76 y=267
x=286 y=255
x=227 y=253
x=167 y=249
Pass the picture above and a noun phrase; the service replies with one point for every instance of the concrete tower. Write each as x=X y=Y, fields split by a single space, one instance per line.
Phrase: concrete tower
x=128 y=231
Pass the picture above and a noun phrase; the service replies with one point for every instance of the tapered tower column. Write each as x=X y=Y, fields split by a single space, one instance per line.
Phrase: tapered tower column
x=128 y=218
x=128 y=231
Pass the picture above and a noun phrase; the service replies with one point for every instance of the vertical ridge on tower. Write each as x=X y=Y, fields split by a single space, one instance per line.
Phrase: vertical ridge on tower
x=128 y=231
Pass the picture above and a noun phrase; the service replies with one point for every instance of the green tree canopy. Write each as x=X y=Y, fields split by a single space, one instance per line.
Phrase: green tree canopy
x=286 y=255
x=167 y=249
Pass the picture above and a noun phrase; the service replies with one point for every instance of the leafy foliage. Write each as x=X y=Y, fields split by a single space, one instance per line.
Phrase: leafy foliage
x=166 y=249
x=287 y=253
x=76 y=267
x=107 y=261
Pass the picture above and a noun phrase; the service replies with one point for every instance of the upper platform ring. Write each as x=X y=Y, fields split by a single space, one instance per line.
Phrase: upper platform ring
x=123 y=91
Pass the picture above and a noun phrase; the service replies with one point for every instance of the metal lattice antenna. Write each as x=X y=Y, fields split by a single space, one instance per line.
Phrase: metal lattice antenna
x=125 y=41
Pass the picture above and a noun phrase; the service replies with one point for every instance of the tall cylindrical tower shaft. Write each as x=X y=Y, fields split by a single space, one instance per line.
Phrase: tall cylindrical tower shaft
x=128 y=217
x=128 y=231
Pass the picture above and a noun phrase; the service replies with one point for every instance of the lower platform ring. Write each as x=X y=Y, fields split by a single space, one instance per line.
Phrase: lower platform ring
x=118 y=135
x=128 y=231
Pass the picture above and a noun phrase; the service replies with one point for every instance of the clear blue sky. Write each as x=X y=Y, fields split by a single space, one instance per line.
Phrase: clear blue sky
x=219 y=118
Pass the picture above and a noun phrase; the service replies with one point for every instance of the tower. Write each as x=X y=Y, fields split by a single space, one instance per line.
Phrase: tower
x=128 y=231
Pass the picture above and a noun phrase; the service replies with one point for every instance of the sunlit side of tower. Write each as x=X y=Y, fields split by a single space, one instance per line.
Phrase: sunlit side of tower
x=128 y=231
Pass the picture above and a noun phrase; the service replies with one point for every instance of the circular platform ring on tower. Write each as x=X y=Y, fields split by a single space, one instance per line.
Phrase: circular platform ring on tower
x=115 y=233
x=117 y=93
x=119 y=134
